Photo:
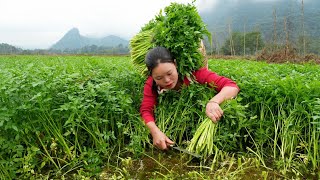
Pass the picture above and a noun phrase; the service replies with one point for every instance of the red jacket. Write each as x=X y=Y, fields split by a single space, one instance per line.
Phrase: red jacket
x=202 y=76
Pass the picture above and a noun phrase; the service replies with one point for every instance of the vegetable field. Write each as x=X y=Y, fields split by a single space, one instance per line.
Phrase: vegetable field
x=77 y=117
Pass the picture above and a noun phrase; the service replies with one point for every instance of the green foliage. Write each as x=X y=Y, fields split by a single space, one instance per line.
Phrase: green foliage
x=178 y=112
x=202 y=141
x=140 y=44
x=243 y=44
x=61 y=115
x=229 y=130
x=179 y=29
x=282 y=119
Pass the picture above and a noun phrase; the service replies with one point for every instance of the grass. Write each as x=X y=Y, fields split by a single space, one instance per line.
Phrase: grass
x=78 y=116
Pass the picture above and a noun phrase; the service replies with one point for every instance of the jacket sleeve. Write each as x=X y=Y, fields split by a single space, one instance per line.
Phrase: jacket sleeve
x=205 y=76
x=148 y=102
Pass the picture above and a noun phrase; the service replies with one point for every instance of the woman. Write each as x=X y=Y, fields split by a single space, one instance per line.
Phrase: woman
x=163 y=75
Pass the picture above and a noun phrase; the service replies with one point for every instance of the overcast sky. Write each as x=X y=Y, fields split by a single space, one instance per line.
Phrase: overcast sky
x=33 y=24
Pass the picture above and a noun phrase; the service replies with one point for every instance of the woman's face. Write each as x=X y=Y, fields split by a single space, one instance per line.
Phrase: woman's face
x=165 y=75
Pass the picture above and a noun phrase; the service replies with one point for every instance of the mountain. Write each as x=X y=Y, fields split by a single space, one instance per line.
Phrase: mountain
x=73 y=40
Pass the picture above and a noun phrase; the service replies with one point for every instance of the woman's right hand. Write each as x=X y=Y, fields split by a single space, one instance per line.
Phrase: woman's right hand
x=160 y=140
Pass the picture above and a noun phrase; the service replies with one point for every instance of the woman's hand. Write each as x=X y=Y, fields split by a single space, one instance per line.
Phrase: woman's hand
x=213 y=111
x=160 y=140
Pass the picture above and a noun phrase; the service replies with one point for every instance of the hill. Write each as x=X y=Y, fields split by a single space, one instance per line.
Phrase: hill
x=73 y=40
x=9 y=49
x=273 y=18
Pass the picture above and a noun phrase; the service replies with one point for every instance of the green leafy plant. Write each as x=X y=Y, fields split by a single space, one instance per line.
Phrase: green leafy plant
x=140 y=44
x=207 y=134
x=180 y=29
x=61 y=115
x=181 y=32
x=178 y=112
x=202 y=141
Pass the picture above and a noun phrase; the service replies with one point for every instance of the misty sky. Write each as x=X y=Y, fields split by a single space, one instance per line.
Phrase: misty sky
x=41 y=23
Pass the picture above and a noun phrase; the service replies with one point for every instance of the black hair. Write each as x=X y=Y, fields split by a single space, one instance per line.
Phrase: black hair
x=158 y=55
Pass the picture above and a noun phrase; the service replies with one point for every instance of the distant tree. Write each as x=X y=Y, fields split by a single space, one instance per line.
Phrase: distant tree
x=308 y=44
x=9 y=49
x=253 y=43
x=120 y=46
x=90 y=49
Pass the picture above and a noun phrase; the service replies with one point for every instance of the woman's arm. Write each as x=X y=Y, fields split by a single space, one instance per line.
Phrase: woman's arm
x=226 y=88
x=148 y=103
x=226 y=93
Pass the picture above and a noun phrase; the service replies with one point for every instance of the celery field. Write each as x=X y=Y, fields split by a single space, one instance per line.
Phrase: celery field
x=77 y=117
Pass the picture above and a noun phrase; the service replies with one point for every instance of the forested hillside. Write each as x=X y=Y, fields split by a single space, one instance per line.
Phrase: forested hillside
x=278 y=21
x=9 y=49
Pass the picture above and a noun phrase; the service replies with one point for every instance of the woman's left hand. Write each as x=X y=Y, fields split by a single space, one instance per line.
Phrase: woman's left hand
x=213 y=111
